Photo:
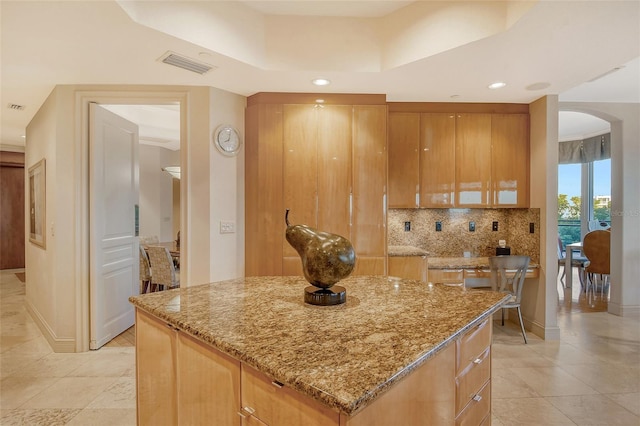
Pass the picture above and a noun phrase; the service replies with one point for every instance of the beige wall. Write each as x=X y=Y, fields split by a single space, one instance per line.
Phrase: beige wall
x=58 y=280
x=540 y=297
x=156 y=192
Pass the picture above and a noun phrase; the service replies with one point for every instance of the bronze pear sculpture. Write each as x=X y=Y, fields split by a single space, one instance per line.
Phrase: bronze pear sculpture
x=326 y=258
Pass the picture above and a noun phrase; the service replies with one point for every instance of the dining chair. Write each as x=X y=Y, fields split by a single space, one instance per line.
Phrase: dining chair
x=164 y=273
x=145 y=271
x=507 y=276
x=597 y=248
x=576 y=261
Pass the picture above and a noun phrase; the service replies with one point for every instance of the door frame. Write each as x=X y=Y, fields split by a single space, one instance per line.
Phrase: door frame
x=82 y=228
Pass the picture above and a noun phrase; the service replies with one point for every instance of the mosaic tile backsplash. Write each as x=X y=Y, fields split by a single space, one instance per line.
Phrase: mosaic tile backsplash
x=455 y=239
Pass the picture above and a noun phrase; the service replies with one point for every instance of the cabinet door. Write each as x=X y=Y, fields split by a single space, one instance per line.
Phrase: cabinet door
x=510 y=160
x=264 y=219
x=404 y=161
x=275 y=404
x=300 y=167
x=408 y=267
x=473 y=160
x=425 y=397
x=155 y=371
x=437 y=160
x=334 y=169
x=368 y=234
x=208 y=384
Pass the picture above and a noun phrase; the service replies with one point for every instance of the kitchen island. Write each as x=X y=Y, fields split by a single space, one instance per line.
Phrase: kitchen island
x=250 y=351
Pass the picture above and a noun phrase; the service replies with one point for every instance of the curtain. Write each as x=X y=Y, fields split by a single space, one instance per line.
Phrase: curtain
x=586 y=150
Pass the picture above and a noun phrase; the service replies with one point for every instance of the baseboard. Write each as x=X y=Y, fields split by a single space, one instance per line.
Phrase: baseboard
x=545 y=333
x=623 y=310
x=58 y=345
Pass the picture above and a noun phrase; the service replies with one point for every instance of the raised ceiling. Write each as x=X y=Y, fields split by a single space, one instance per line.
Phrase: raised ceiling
x=410 y=51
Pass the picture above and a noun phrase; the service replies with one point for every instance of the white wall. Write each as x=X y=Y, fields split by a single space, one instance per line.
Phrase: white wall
x=156 y=192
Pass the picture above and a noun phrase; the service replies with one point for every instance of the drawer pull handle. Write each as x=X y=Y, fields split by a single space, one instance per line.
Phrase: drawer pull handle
x=246 y=411
x=477 y=398
x=277 y=384
x=477 y=361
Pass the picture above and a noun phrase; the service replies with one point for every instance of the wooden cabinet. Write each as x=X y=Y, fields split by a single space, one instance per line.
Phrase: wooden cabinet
x=437 y=160
x=473 y=160
x=327 y=164
x=404 y=160
x=181 y=380
x=464 y=159
x=156 y=375
x=408 y=267
x=473 y=375
x=369 y=176
x=446 y=276
x=510 y=160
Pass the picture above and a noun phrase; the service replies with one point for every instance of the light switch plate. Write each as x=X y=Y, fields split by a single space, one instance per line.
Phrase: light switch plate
x=227 y=227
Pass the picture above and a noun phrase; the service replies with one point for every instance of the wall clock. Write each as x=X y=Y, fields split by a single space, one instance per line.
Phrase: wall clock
x=227 y=139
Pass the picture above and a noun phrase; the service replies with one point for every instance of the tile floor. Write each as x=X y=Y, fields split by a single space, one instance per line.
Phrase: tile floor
x=590 y=377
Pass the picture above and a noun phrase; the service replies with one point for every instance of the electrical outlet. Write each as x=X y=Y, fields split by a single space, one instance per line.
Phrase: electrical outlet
x=532 y=228
x=494 y=227
x=227 y=227
x=407 y=226
x=438 y=226
x=472 y=227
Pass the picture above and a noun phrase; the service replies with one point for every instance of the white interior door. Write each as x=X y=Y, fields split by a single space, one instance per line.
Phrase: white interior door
x=113 y=245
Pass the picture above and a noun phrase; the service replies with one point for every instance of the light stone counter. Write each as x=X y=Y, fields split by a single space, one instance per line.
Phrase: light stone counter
x=405 y=251
x=463 y=263
x=345 y=355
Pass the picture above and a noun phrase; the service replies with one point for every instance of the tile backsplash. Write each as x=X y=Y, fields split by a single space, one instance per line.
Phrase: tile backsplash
x=455 y=238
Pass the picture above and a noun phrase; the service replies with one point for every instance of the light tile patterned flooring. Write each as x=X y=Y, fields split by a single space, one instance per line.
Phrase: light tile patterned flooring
x=590 y=377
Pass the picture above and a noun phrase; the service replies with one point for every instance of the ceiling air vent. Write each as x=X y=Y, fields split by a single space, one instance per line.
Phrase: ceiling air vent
x=15 y=107
x=185 y=63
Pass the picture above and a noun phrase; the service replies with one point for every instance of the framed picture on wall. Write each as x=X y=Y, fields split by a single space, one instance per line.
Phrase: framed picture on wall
x=37 y=206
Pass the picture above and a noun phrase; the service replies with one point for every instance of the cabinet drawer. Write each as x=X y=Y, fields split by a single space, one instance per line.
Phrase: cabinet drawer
x=275 y=404
x=445 y=275
x=472 y=344
x=476 y=411
x=471 y=380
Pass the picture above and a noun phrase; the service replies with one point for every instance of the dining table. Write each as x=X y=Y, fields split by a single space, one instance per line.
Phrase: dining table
x=569 y=249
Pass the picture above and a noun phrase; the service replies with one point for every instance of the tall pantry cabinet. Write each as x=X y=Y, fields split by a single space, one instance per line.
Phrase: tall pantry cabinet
x=326 y=163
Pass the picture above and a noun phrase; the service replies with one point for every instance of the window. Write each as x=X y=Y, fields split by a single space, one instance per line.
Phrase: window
x=587 y=181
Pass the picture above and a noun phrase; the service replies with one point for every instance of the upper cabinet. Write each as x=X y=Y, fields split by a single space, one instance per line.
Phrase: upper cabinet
x=510 y=160
x=326 y=163
x=469 y=159
x=437 y=160
x=473 y=160
x=404 y=166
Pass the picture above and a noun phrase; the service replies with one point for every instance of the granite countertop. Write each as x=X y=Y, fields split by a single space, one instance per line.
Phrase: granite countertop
x=344 y=355
x=405 y=251
x=463 y=263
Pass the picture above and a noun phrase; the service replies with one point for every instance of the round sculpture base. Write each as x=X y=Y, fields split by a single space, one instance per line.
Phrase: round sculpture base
x=325 y=296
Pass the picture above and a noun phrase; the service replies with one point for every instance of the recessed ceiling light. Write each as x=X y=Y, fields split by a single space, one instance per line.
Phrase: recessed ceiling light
x=497 y=85
x=321 y=82
x=319 y=101
x=23 y=136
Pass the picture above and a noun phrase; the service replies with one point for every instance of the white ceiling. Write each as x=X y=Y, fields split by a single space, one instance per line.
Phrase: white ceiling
x=410 y=51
